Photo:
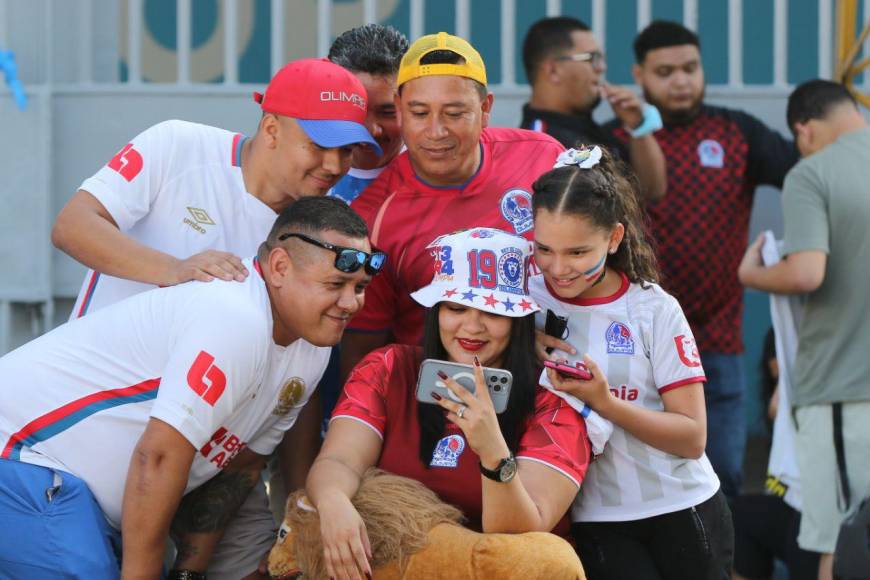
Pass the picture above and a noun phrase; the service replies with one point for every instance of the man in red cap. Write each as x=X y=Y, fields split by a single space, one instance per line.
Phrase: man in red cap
x=184 y=201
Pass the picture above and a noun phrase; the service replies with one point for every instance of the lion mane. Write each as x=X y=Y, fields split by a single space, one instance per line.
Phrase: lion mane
x=398 y=512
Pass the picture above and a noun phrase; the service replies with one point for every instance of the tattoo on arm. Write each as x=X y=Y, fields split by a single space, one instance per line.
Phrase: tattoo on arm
x=210 y=507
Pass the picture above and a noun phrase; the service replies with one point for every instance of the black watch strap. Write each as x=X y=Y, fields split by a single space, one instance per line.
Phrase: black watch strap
x=496 y=474
x=185 y=575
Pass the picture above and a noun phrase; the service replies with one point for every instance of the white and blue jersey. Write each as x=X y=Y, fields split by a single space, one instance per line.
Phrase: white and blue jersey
x=176 y=187
x=198 y=356
x=353 y=184
x=641 y=341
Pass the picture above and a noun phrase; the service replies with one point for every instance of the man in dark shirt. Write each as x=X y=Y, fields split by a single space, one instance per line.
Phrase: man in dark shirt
x=565 y=67
x=715 y=159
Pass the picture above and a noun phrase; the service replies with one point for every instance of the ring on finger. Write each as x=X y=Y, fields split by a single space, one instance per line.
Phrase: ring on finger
x=461 y=411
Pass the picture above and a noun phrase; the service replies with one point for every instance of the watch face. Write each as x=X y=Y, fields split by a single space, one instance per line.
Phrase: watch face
x=508 y=470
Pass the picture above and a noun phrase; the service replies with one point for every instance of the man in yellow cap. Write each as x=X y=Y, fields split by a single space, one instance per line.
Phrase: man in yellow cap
x=456 y=173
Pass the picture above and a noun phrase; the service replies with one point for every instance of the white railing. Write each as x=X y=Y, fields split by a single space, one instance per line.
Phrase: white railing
x=134 y=31
x=324 y=27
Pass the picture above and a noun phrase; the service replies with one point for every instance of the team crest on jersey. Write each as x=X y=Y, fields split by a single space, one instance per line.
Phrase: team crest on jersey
x=516 y=207
x=619 y=340
x=711 y=154
x=510 y=270
x=447 y=451
x=688 y=350
x=290 y=395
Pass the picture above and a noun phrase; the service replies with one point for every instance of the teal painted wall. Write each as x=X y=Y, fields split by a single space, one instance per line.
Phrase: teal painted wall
x=160 y=18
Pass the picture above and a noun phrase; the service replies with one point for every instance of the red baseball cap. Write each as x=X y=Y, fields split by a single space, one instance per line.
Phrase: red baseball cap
x=327 y=101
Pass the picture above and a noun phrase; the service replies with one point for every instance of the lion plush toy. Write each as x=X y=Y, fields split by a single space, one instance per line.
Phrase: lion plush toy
x=413 y=534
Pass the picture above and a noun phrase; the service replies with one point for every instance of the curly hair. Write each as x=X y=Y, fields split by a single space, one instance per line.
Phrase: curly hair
x=606 y=194
x=376 y=49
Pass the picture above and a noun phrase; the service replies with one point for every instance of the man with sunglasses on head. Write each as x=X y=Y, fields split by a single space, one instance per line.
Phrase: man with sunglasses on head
x=565 y=67
x=184 y=201
x=106 y=421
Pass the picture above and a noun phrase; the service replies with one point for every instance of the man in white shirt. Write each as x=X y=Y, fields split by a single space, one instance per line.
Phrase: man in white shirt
x=107 y=421
x=183 y=201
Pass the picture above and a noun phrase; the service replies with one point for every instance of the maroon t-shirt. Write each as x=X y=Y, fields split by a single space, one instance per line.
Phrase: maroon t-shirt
x=701 y=226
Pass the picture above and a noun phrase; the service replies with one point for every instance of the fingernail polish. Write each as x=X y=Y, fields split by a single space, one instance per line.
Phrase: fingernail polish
x=436 y=396
x=476 y=361
x=442 y=375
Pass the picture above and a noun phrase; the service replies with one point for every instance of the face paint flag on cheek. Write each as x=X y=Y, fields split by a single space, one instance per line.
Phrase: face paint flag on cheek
x=593 y=272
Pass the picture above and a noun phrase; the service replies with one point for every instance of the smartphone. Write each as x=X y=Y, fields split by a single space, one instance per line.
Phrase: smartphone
x=569 y=372
x=555 y=326
x=497 y=380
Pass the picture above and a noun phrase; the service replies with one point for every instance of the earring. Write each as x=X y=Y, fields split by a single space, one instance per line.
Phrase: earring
x=611 y=251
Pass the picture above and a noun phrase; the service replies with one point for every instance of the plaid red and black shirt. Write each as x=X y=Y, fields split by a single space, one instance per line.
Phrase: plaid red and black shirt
x=701 y=226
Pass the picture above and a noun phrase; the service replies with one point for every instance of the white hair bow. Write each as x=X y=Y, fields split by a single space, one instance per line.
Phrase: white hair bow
x=584 y=158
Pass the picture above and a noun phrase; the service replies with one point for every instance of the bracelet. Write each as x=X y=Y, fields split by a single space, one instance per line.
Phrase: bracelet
x=652 y=122
x=185 y=575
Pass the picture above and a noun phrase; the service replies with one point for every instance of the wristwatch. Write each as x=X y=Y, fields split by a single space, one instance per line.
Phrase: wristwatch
x=504 y=471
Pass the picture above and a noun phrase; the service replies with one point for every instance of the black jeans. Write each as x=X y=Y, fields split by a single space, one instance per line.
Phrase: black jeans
x=692 y=544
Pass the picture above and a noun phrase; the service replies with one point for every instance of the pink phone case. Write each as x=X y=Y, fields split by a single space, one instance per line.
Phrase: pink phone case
x=570 y=372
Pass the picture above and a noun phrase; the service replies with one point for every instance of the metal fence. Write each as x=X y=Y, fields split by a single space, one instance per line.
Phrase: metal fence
x=131 y=30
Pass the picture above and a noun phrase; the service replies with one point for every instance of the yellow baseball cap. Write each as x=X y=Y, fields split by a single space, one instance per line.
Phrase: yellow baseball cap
x=410 y=67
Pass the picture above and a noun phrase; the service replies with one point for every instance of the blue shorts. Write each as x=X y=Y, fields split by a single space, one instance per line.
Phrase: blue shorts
x=52 y=527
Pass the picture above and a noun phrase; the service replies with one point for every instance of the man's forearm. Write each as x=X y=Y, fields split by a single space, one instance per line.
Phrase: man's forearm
x=648 y=163
x=205 y=513
x=86 y=232
x=155 y=483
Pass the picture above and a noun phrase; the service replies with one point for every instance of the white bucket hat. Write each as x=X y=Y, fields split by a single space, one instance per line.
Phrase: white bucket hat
x=484 y=268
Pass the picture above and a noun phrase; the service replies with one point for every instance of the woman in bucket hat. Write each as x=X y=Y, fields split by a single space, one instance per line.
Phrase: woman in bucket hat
x=517 y=471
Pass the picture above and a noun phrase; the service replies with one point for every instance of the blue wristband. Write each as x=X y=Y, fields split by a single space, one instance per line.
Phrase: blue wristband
x=652 y=122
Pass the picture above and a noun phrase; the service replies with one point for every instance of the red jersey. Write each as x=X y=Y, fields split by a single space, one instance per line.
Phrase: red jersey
x=380 y=393
x=404 y=215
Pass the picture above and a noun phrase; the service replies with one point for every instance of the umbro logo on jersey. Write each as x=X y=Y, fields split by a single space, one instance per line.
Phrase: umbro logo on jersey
x=200 y=218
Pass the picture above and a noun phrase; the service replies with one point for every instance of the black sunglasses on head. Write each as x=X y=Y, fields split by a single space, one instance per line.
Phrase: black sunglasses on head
x=347 y=260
